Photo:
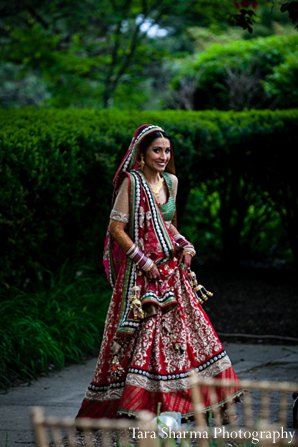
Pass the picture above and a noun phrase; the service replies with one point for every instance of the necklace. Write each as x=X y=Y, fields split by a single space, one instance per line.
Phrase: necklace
x=157 y=186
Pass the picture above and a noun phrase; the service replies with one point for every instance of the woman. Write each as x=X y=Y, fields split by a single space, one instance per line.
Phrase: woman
x=156 y=331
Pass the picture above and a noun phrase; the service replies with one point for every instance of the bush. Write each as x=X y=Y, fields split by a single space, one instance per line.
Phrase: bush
x=57 y=168
x=282 y=83
x=237 y=75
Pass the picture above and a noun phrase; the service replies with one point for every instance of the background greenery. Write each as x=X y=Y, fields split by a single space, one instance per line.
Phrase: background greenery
x=125 y=53
x=76 y=79
x=57 y=166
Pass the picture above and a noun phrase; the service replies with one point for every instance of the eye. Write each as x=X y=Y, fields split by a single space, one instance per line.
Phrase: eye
x=156 y=150
x=168 y=150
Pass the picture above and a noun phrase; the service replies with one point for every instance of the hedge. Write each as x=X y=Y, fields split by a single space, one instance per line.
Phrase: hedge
x=57 y=168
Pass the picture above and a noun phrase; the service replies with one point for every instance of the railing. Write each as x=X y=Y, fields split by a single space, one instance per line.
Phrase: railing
x=264 y=416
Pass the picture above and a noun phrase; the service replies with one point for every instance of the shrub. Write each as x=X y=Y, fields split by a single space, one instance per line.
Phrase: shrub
x=282 y=84
x=234 y=75
x=57 y=168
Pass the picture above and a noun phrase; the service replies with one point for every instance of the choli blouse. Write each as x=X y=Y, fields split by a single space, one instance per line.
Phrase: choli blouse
x=120 y=211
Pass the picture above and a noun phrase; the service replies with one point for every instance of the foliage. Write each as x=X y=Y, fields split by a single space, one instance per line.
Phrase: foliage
x=245 y=174
x=86 y=50
x=233 y=76
x=50 y=170
x=57 y=166
x=282 y=83
x=96 y=54
x=245 y=19
x=46 y=329
x=292 y=8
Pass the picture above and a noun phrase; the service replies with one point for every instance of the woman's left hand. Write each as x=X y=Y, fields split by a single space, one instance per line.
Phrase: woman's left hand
x=185 y=259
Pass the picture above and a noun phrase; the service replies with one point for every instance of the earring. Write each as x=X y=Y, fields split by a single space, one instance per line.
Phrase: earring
x=142 y=162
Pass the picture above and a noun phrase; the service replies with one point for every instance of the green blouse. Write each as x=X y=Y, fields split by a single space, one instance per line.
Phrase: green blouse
x=168 y=208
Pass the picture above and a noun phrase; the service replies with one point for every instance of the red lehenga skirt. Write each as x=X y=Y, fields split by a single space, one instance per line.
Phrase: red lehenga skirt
x=157 y=358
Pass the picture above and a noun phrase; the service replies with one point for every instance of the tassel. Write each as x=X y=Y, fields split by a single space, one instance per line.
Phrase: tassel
x=134 y=298
x=204 y=293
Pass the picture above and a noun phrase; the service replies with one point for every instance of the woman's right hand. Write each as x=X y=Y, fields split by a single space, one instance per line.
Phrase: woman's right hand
x=153 y=273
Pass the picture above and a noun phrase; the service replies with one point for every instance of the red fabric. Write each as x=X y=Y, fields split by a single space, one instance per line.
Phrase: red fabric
x=176 y=336
x=137 y=399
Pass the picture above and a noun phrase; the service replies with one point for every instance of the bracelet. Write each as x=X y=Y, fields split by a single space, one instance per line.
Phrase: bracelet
x=148 y=266
x=137 y=256
x=189 y=251
x=185 y=244
x=130 y=250
x=181 y=240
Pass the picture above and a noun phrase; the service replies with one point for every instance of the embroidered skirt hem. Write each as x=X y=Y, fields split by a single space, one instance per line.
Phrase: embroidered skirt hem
x=133 y=399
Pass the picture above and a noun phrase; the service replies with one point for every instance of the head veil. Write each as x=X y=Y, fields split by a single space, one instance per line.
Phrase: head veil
x=131 y=160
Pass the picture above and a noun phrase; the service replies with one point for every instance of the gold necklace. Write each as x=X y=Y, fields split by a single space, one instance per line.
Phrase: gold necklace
x=156 y=187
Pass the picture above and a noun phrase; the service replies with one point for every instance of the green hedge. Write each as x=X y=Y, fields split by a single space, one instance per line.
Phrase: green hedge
x=56 y=182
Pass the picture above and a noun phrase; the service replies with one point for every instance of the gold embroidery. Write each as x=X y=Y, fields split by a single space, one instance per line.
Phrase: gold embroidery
x=110 y=394
x=176 y=384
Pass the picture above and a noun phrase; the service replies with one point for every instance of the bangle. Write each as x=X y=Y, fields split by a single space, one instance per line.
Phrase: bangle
x=189 y=251
x=137 y=256
x=185 y=244
x=181 y=240
x=148 y=266
x=131 y=249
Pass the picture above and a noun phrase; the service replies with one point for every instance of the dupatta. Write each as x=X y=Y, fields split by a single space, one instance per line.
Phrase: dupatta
x=148 y=230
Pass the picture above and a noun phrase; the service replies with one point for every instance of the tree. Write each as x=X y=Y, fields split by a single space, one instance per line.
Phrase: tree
x=246 y=14
x=86 y=47
x=83 y=51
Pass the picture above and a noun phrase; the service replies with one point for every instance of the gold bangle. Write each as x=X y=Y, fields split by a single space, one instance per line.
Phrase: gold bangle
x=192 y=253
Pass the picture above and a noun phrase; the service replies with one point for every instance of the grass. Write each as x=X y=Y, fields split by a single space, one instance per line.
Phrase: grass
x=46 y=329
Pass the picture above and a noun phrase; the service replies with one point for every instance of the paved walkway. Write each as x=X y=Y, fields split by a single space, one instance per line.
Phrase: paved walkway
x=62 y=392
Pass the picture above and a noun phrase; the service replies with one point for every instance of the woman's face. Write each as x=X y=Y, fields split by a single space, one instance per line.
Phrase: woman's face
x=158 y=154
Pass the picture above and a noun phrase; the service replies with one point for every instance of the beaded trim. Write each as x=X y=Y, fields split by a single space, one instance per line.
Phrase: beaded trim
x=164 y=239
x=127 y=325
x=167 y=298
x=170 y=382
x=181 y=375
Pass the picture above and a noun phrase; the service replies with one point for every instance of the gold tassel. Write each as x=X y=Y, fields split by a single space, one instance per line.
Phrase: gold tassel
x=204 y=293
x=134 y=298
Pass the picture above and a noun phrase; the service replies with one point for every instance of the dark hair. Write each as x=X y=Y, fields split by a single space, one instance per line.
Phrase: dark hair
x=147 y=140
